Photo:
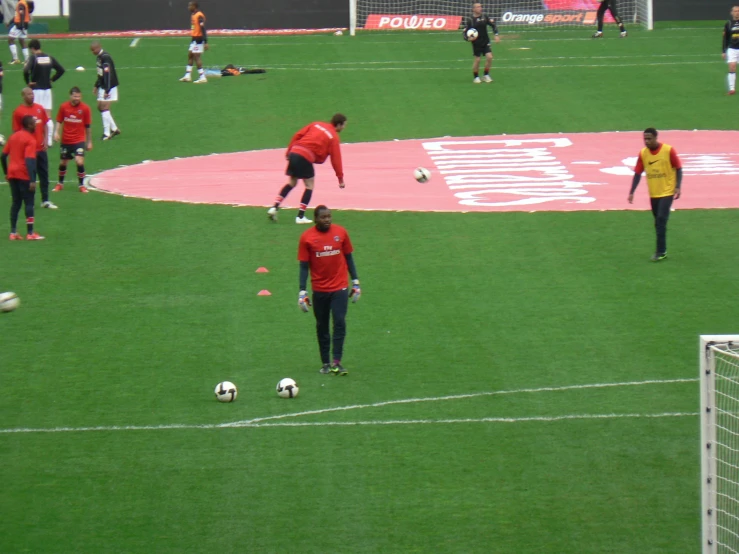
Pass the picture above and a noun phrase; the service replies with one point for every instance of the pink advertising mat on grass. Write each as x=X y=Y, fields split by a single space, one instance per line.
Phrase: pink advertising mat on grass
x=548 y=172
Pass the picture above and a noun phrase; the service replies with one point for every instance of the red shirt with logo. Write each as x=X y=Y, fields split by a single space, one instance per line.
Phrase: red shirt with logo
x=75 y=121
x=39 y=113
x=325 y=253
x=20 y=145
x=316 y=142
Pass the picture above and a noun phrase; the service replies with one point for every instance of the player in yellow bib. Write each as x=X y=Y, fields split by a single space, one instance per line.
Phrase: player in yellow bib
x=664 y=176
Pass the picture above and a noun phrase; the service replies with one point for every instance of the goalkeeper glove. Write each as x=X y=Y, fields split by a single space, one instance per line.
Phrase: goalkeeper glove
x=303 y=301
x=356 y=292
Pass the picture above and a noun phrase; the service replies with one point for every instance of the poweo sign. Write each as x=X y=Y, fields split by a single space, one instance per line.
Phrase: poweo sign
x=414 y=22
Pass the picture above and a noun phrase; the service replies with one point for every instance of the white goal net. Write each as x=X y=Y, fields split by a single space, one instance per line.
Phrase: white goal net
x=437 y=15
x=720 y=443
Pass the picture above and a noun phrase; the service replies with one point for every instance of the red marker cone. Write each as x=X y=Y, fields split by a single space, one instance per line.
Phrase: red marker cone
x=262 y=270
x=264 y=292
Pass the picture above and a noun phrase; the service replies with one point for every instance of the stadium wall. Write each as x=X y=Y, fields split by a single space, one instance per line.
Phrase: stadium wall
x=691 y=10
x=120 y=15
x=126 y=15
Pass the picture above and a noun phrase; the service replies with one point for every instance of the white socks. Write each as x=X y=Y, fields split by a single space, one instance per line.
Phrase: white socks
x=108 y=123
x=50 y=132
x=188 y=70
x=732 y=81
x=14 y=52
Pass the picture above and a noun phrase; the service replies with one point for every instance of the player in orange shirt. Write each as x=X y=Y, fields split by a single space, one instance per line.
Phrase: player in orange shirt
x=21 y=174
x=19 y=29
x=312 y=144
x=326 y=252
x=198 y=44
x=38 y=112
x=74 y=118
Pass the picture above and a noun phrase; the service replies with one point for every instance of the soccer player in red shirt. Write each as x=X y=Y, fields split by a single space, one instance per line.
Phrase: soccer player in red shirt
x=74 y=119
x=326 y=252
x=38 y=112
x=312 y=144
x=21 y=174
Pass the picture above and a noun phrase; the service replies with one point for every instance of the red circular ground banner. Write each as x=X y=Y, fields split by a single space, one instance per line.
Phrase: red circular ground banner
x=555 y=172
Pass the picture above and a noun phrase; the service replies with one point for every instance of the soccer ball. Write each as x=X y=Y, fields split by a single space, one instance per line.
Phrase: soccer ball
x=2 y=140
x=287 y=388
x=422 y=174
x=471 y=34
x=9 y=301
x=226 y=392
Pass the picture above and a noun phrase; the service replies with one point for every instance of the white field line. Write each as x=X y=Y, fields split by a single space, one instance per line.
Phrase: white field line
x=461 y=397
x=508 y=35
x=466 y=420
x=363 y=66
x=706 y=57
x=269 y=421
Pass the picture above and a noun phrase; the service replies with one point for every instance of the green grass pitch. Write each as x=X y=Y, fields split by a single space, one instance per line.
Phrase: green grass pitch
x=133 y=310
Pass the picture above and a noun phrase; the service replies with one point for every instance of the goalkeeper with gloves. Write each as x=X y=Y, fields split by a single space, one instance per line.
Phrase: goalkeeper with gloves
x=326 y=252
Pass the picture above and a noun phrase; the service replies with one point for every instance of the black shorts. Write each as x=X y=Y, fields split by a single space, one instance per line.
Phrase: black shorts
x=69 y=151
x=480 y=50
x=298 y=167
x=20 y=190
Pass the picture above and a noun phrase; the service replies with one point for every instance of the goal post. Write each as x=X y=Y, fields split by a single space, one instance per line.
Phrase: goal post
x=719 y=390
x=437 y=15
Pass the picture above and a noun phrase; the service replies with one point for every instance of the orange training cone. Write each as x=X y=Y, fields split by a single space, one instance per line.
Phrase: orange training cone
x=264 y=292
x=262 y=270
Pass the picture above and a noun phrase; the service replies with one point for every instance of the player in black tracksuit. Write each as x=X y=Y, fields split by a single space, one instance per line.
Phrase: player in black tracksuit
x=730 y=47
x=106 y=89
x=37 y=74
x=609 y=5
x=481 y=45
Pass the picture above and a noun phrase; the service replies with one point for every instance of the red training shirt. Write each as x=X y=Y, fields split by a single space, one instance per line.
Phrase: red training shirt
x=39 y=113
x=674 y=159
x=325 y=253
x=75 y=121
x=316 y=142
x=20 y=145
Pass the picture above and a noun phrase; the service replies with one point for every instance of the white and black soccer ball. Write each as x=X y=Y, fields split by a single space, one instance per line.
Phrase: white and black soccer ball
x=287 y=388
x=2 y=140
x=471 y=34
x=421 y=174
x=9 y=301
x=226 y=391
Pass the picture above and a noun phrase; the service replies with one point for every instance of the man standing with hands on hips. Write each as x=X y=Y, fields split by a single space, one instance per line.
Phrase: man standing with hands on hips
x=106 y=89
x=325 y=251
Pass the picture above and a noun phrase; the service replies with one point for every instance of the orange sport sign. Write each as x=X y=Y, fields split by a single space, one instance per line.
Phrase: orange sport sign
x=414 y=22
x=552 y=18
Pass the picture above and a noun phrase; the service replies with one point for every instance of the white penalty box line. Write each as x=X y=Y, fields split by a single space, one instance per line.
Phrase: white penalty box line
x=274 y=421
